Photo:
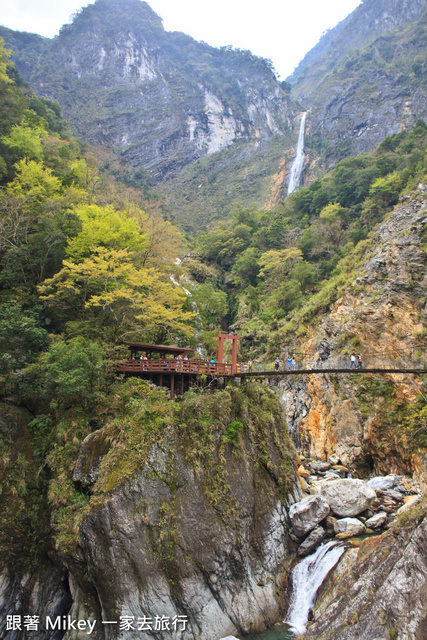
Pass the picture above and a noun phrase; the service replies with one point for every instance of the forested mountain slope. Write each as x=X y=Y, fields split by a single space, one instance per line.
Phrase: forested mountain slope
x=209 y=127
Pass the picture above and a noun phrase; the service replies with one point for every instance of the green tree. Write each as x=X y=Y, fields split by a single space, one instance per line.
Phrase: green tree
x=119 y=297
x=21 y=340
x=104 y=227
x=71 y=372
x=25 y=139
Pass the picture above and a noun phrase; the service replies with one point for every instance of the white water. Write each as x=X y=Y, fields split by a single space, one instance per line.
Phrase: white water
x=307 y=577
x=298 y=163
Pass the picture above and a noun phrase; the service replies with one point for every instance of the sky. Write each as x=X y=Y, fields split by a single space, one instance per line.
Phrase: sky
x=281 y=30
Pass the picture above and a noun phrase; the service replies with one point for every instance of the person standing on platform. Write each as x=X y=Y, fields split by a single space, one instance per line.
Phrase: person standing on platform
x=277 y=364
x=293 y=363
x=353 y=361
x=289 y=363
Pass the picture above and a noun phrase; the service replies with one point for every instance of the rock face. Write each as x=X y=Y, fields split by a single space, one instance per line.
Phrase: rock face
x=177 y=555
x=45 y=595
x=330 y=414
x=352 y=81
x=347 y=497
x=307 y=513
x=382 y=592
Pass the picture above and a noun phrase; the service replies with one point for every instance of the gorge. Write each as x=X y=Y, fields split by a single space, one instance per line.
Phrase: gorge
x=203 y=196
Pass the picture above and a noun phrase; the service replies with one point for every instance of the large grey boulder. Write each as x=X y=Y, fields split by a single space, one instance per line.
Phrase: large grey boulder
x=307 y=513
x=350 y=526
x=320 y=466
x=348 y=497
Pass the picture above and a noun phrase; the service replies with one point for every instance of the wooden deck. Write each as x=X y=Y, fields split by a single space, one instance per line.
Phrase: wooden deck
x=192 y=367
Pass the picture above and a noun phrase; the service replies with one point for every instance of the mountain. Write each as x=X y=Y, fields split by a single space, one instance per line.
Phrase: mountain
x=160 y=100
x=365 y=80
x=206 y=127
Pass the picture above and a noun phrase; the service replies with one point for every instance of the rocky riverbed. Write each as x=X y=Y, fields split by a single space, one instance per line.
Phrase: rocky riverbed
x=337 y=505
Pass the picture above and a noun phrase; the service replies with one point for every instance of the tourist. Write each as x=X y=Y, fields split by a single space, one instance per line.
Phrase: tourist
x=359 y=361
x=353 y=361
x=293 y=363
x=250 y=365
x=289 y=363
x=277 y=364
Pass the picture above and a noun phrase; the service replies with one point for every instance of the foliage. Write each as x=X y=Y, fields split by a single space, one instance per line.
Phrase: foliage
x=274 y=262
x=71 y=373
x=414 y=425
x=21 y=339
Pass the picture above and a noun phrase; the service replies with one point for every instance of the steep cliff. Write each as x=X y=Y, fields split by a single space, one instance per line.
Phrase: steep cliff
x=206 y=127
x=378 y=309
x=179 y=510
x=381 y=593
x=365 y=80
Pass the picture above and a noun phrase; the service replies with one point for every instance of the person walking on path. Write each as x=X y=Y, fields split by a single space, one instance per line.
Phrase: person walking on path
x=359 y=361
x=250 y=365
x=353 y=361
x=293 y=363
x=289 y=363
x=277 y=364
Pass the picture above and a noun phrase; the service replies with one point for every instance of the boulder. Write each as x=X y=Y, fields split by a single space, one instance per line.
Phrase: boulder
x=397 y=496
x=377 y=521
x=347 y=497
x=307 y=513
x=382 y=482
x=318 y=484
x=351 y=526
x=334 y=459
x=311 y=543
x=332 y=474
x=320 y=466
x=303 y=472
x=340 y=470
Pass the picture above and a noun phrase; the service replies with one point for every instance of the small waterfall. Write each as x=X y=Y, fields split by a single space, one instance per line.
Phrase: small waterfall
x=296 y=169
x=307 y=577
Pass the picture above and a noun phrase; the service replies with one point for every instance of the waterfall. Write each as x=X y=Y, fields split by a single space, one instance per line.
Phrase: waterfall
x=298 y=163
x=307 y=577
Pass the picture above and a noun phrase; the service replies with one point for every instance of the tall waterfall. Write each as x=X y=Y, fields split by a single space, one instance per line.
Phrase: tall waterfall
x=298 y=163
x=307 y=577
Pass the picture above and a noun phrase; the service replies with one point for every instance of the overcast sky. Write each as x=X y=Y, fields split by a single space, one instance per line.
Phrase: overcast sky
x=282 y=30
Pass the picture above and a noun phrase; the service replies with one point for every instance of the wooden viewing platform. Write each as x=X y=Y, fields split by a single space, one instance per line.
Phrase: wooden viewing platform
x=172 y=362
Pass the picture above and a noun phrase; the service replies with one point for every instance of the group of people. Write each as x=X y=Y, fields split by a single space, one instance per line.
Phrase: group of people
x=355 y=361
x=291 y=363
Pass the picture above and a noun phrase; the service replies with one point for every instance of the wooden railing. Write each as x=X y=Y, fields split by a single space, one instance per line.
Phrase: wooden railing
x=174 y=366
